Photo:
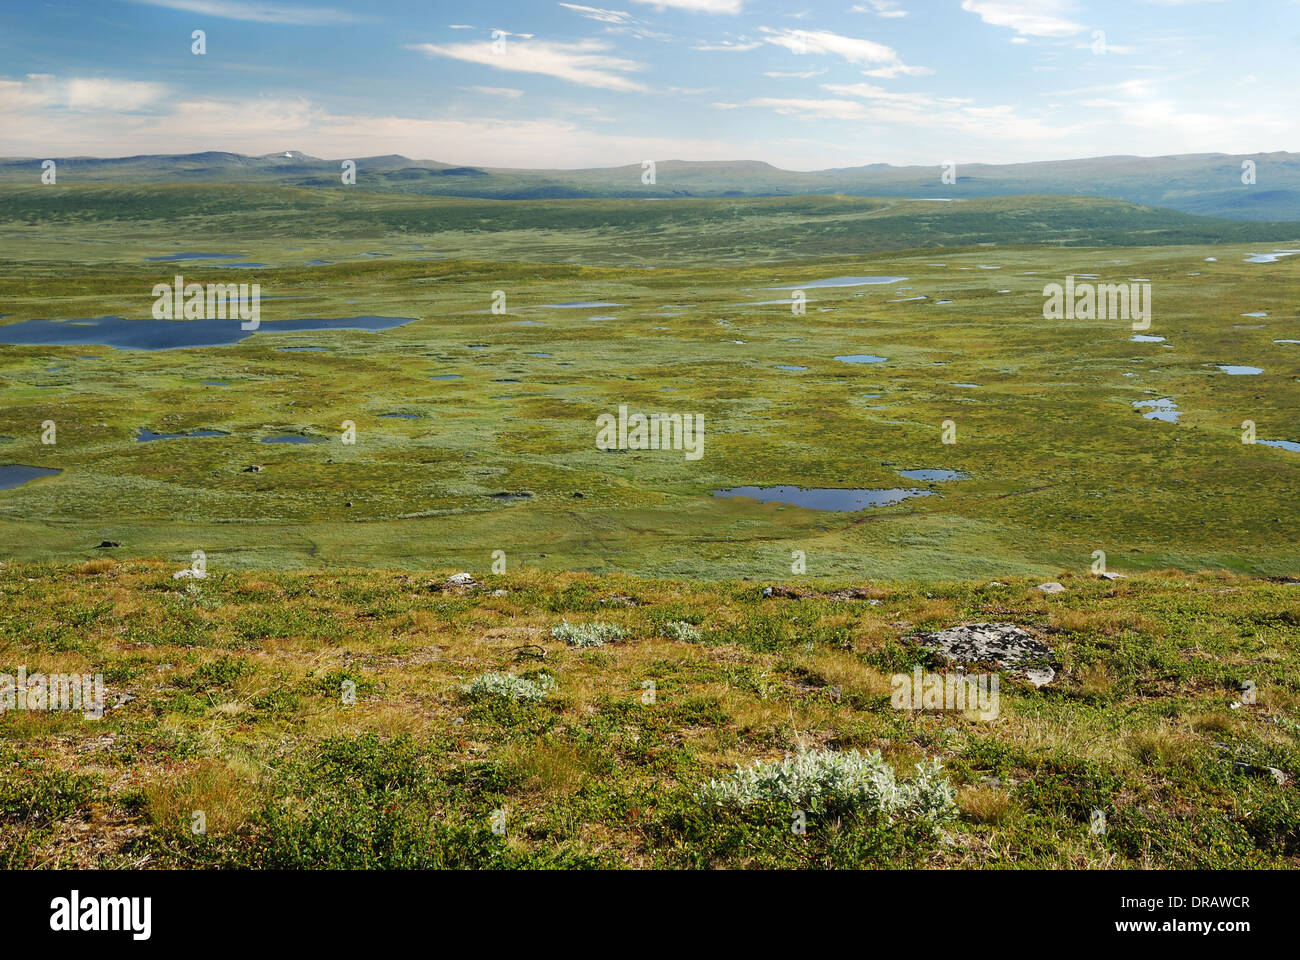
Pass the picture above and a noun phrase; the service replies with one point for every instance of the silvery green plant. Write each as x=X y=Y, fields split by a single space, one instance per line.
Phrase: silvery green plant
x=681 y=631
x=511 y=686
x=816 y=779
x=586 y=634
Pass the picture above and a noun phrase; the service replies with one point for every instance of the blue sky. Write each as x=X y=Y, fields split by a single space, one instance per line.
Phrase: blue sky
x=544 y=84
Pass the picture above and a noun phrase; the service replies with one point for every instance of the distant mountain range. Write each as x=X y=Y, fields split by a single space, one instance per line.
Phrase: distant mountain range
x=1209 y=184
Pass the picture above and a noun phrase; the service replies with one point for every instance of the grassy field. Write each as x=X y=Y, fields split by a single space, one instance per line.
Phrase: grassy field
x=224 y=698
x=1060 y=462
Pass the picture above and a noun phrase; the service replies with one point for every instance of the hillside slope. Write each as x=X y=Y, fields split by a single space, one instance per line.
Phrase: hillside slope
x=233 y=697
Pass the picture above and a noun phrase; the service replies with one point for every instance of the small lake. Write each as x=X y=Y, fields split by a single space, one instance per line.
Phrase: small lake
x=291 y=438
x=145 y=435
x=15 y=475
x=580 y=305
x=1283 y=444
x=171 y=257
x=861 y=358
x=1146 y=338
x=840 y=282
x=447 y=376
x=1235 y=370
x=1273 y=257
x=150 y=334
x=933 y=476
x=1164 y=410
x=789 y=366
x=824 y=498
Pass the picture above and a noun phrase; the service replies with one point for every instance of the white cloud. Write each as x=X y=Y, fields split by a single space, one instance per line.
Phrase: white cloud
x=728 y=46
x=885 y=59
x=596 y=13
x=801 y=75
x=510 y=92
x=890 y=9
x=45 y=92
x=585 y=63
x=1034 y=18
x=811 y=109
x=259 y=12
x=698 y=6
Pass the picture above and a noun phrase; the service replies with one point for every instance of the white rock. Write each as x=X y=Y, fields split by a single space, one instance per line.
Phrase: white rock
x=1052 y=587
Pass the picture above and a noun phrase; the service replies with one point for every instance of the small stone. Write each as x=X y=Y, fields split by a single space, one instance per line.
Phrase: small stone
x=1250 y=770
x=460 y=581
x=252 y=469
x=1051 y=587
x=109 y=543
x=189 y=573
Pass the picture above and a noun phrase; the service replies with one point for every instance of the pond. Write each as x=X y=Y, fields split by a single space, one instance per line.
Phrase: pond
x=1236 y=370
x=933 y=476
x=15 y=475
x=824 y=498
x=291 y=438
x=840 y=282
x=146 y=435
x=1164 y=410
x=150 y=334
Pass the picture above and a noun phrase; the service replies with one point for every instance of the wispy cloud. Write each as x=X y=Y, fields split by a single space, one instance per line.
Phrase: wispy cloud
x=596 y=13
x=884 y=60
x=698 y=6
x=260 y=12
x=585 y=63
x=512 y=93
x=890 y=9
x=729 y=46
x=47 y=92
x=1034 y=18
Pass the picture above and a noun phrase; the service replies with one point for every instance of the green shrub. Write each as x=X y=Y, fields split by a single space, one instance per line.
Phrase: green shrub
x=587 y=634
x=817 y=780
x=511 y=686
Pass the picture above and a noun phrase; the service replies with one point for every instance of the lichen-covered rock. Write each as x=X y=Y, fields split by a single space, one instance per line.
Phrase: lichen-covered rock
x=1005 y=645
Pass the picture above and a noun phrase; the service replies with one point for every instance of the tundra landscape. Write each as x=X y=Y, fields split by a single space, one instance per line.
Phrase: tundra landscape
x=377 y=512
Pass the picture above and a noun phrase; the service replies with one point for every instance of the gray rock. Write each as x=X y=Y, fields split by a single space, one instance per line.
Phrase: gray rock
x=1006 y=645
x=1051 y=587
x=1250 y=770
x=461 y=581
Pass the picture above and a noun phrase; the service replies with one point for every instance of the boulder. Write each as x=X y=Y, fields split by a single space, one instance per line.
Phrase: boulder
x=1005 y=645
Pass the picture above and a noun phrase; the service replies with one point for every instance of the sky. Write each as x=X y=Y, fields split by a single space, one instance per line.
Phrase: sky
x=536 y=83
